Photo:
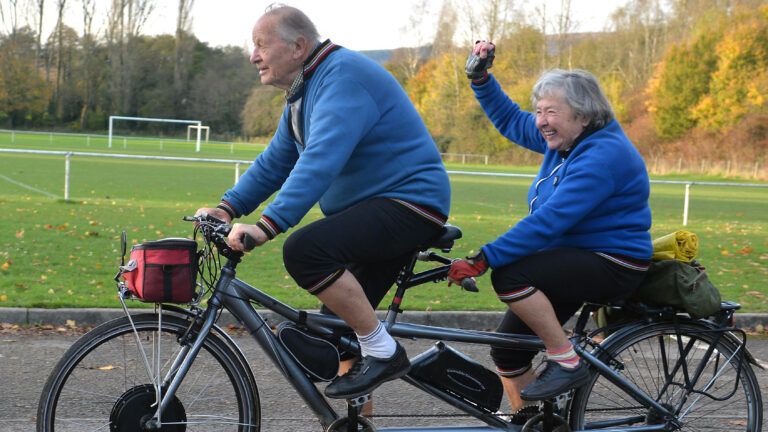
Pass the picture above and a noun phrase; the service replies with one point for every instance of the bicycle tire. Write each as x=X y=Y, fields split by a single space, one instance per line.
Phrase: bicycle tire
x=101 y=382
x=642 y=352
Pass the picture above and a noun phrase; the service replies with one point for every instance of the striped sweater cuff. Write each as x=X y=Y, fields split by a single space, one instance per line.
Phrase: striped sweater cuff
x=227 y=207
x=269 y=227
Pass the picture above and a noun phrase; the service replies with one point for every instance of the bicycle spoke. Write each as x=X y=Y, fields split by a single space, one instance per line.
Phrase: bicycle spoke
x=688 y=369
x=107 y=383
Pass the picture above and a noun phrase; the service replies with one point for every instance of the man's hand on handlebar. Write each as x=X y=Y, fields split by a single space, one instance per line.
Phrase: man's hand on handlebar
x=237 y=237
x=215 y=212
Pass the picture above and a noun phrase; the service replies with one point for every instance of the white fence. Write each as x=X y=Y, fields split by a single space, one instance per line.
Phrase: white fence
x=465 y=158
x=105 y=141
x=237 y=165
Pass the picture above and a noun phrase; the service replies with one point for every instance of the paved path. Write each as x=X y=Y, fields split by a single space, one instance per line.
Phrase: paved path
x=27 y=356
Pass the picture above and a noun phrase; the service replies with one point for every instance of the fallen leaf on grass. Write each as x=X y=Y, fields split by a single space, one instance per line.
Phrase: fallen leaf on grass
x=745 y=250
x=20 y=234
x=6 y=265
x=757 y=294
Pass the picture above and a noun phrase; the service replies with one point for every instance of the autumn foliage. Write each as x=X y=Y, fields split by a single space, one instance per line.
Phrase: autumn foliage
x=688 y=79
x=691 y=93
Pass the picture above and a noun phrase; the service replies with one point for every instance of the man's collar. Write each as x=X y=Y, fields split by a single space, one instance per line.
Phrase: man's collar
x=309 y=66
x=318 y=55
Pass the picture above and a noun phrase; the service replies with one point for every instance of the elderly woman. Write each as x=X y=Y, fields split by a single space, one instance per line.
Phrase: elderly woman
x=586 y=235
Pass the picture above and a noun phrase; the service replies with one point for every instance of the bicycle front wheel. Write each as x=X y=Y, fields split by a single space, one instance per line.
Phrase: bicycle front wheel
x=662 y=360
x=103 y=384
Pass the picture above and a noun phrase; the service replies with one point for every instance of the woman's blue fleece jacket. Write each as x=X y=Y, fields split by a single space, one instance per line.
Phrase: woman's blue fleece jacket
x=596 y=200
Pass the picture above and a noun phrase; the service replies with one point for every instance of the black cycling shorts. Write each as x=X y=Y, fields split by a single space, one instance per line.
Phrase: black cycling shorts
x=373 y=240
x=568 y=277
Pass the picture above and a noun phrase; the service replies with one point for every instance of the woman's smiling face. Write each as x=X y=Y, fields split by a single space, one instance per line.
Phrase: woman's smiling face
x=557 y=122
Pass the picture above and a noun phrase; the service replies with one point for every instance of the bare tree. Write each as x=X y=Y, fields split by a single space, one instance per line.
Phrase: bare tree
x=541 y=15
x=38 y=16
x=9 y=15
x=125 y=21
x=446 y=29
x=564 y=29
x=60 y=7
x=182 y=49
x=89 y=63
x=407 y=60
x=488 y=19
x=641 y=31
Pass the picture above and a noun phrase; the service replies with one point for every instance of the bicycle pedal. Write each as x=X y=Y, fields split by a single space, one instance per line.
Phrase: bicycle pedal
x=359 y=401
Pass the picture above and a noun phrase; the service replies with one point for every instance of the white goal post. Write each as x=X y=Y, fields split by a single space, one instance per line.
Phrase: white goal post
x=207 y=130
x=196 y=123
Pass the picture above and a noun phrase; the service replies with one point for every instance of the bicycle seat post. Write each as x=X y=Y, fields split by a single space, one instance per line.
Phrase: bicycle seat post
x=405 y=275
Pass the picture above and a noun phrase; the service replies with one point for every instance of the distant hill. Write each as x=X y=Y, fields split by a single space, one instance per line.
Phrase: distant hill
x=383 y=56
x=379 y=56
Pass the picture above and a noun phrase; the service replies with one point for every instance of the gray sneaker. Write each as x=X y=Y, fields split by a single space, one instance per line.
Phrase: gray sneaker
x=369 y=373
x=555 y=380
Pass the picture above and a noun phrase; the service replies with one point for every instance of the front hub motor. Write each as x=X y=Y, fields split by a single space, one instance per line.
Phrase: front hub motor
x=136 y=407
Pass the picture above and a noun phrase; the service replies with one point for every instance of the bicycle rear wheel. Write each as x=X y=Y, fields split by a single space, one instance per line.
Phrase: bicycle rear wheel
x=102 y=382
x=726 y=397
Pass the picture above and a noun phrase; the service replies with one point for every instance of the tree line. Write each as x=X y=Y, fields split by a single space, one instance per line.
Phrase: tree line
x=77 y=77
x=688 y=79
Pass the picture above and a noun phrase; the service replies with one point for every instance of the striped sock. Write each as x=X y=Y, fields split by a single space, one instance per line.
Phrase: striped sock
x=565 y=356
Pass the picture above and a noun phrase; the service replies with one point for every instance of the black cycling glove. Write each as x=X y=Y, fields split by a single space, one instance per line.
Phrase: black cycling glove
x=476 y=67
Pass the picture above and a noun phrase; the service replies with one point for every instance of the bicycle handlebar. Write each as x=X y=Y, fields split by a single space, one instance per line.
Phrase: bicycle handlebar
x=469 y=284
x=216 y=231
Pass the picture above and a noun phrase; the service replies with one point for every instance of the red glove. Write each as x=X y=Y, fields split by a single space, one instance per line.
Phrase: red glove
x=473 y=266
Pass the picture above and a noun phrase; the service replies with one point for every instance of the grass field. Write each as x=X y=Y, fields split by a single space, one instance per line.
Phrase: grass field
x=64 y=254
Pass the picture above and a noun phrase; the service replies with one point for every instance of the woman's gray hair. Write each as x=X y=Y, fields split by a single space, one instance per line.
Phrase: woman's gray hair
x=580 y=90
x=292 y=23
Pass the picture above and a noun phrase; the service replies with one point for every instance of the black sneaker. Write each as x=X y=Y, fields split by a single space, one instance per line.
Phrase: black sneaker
x=367 y=374
x=555 y=380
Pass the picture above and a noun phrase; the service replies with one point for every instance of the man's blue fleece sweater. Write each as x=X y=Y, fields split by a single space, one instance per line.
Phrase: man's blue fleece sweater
x=362 y=138
x=596 y=198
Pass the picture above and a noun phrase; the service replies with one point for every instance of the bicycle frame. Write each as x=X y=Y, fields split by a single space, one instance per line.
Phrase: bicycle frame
x=236 y=296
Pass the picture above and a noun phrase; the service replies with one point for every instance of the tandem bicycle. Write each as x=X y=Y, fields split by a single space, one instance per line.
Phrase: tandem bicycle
x=174 y=369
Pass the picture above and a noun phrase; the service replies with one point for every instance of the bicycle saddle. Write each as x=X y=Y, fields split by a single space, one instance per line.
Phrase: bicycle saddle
x=444 y=241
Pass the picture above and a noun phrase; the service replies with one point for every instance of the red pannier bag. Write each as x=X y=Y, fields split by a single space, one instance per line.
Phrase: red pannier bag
x=162 y=271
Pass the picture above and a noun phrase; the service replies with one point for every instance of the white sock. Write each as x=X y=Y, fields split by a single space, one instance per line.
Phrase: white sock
x=377 y=344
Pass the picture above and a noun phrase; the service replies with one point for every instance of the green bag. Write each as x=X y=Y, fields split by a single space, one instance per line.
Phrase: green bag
x=679 y=284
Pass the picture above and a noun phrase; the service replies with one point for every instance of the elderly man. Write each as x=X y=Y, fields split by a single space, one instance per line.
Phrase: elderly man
x=350 y=139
